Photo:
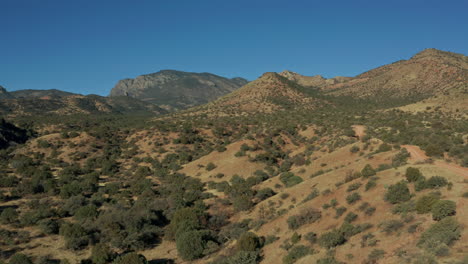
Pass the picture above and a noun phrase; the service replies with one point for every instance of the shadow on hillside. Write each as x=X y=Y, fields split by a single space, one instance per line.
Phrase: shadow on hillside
x=161 y=261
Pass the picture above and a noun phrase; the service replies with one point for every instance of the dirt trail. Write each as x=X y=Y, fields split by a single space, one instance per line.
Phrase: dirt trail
x=417 y=154
x=359 y=130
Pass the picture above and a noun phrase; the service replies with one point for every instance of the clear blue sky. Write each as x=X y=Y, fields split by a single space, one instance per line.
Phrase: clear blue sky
x=86 y=46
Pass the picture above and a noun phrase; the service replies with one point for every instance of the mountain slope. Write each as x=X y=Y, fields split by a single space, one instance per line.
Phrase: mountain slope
x=76 y=104
x=4 y=94
x=427 y=73
x=30 y=93
x=176 y=89
x=269 y=93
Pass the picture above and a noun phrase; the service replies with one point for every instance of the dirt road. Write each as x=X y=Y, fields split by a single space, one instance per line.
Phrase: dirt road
x=417 y=154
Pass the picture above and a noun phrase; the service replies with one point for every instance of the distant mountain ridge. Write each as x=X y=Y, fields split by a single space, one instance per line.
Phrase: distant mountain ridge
x=76 y=104
x=175 y=90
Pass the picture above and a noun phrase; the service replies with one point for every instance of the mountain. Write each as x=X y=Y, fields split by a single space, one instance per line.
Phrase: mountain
x=75 y=104
x=4 y=94
x=175 y=90
x=29 y=93
x=427 y=73
x=267 y=94
x=10 y=134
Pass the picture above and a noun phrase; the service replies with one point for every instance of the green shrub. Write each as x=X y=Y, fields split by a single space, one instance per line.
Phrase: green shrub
x=311 y=195
x=442 y=209
x=397 y=193
x=101 y=254
x=248 y=241
x=8 y=216
x=331 y=239
x=340 y=211
x=404 y=208
x=210 y=166
x=413 y=174
x=350 y=217
x=191 y=244
x=289 y=179
x=425 y=203
x=19 y=258
x=368 y=171
x=131 y=258
x=307 y=216
x=436 y=182
x=391 y=226
x=76 y=237
x=353 y=187
x=445 y=231
x=296 y=253
x=352 y=198
x=370 y=184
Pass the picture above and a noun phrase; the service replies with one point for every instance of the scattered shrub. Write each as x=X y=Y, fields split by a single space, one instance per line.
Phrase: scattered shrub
x=289 y=179
x=306 y=216
x=425 y=203
x=296 y=253
x=391 y=226
x=397 y=193
x=331 y=239
x=131 y=258
x=442 y=209
x=445 y=231
x=352 y=198
x=368 y=171
x=210 y=166
x=248 y=242
x=413 y=174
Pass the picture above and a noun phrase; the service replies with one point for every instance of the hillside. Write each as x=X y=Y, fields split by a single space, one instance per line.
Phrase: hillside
x=75 y=104
x=4 y=94
x=274 y=172
x=427 y=73
x=268 y=94
x=29 y=93
x=175 y=90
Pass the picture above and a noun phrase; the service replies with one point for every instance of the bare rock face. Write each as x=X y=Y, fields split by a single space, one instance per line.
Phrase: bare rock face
x=312 y=81
x=175 y=90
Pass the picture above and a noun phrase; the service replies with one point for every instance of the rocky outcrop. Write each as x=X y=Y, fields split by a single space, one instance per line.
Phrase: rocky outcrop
x=175 y=90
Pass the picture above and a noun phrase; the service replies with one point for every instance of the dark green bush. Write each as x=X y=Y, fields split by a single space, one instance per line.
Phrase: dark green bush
x=296 y=253
x=397 y=193
x=131 y=258
x=248 y=241
x=191 y=244
x=289 y=179
x=19 y=258
x=331 y=239
x=442 y=209
x=101 y=254
x=368 y=171
x=425 y=203
x=352 y=198
x=413 y=174
x=445 y=231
